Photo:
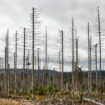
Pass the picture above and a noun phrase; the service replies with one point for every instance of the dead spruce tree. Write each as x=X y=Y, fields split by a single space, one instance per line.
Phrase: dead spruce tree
x=73 y=76
x=99 y=33
x=89 y=61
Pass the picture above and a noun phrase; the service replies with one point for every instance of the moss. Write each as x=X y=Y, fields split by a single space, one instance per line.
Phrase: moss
x=39 y=91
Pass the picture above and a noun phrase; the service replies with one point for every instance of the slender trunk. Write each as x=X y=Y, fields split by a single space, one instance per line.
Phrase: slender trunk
x=5 y=71
x=8 y=79
x=96 y=68
x=62 y=66
x=76 y=63
x=72 y=53
x=99 y=32
x=46 y=61
x=38 y=69
x=33 y=51
x=15 y=63
x=60 y=76
x=24 y=53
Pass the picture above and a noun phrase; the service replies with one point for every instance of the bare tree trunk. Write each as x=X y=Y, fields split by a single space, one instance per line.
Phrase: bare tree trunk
x=24 y=53
x=5 y=70
x=46 y=61
x=89 y=60
x=90 y=65
x=53 y=78
x=38 y=70
x=62 y=66
x=77 y=64
x=15 y=63
x=88 y=55
x=60 y=76
x=8 y=79
x=96 y=68
x=7 y=59
x=14 y=73
x=33 y=51
x=99 y=32
x=72 y=54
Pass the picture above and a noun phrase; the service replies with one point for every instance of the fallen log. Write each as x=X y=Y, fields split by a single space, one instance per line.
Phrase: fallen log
x=92 y=101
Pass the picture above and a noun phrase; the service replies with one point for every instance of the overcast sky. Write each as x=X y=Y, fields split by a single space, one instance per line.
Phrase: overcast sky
x=56 y=15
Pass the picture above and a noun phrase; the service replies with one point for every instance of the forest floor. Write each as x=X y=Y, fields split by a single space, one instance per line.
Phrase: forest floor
x=5 y=101
x=57 y=99
x=42 y=102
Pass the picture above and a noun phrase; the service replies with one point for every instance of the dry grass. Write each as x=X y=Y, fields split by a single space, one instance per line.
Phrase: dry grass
x=40 y=98
x=8 y=102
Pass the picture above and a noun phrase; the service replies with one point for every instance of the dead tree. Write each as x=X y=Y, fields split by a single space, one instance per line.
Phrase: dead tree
x=8 y=79
x=5 y=70
x=38 y=76
x=24 y=60
x=89 y=59
x=90 y=52
x=77 y=63
x=46 y=60
x=99 y=33
x=62 y=61
x=14 y=73
x=7 y=61
x=96 y=68
x=27 y=67
x=15 y=64
x=33 y=50
x=72 y=52
x=60 y=69
x=24 y=52
x=88 y=56
x=38 y=61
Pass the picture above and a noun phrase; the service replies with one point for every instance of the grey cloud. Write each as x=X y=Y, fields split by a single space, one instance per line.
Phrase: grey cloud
x=60 y=11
